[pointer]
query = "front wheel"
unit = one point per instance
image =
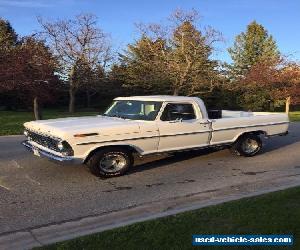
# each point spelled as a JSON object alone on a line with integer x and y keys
{"x": 247, "y": 145}
{"x": 110, "y": 162}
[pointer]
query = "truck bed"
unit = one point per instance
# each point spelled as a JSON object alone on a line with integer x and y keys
{"x": 234, "y": 123}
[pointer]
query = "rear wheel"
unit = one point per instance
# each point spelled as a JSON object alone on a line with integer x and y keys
{"x": 247, "y": 145}
{"x": 110, "y": 162}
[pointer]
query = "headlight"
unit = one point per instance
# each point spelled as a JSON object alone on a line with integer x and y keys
{"x": 26, "y": 133}
{"x": 64, "y": 148}
{"x": 60, "y": 145}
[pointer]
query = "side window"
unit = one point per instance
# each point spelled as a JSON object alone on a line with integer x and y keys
{"x": 176, "y": 111}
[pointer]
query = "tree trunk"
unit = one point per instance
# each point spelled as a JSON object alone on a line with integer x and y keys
{"x": 72, "y": 93}
{"x": 175, "y": 91}
{"x": 36, "y": 109}
{"x": 287, "y": 104}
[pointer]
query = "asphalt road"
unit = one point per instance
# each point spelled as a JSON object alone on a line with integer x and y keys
{"x": 35, "y": 192}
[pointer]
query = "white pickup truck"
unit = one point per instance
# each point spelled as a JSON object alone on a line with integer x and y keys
{"x": 145, "y": 125}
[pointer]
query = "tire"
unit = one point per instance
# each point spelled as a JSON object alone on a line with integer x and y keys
{"x": 247, "y": 145}
{"x": 110, "y": 162}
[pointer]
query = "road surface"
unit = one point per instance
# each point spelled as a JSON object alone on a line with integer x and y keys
{"x": 35, "y": 192}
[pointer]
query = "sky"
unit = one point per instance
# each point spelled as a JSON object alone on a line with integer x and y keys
{"x": 118, "y": 18}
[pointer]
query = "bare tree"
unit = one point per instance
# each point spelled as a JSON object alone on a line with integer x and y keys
{"x": 77, "y": 40}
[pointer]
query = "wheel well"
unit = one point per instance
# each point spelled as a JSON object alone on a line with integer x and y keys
{"x": 127, "y": 147}
{"x": 258, "y": 132}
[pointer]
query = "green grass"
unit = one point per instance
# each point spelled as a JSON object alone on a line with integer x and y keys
{"x": 295, "y": 116}
{"x": 11, "y": 122}
{"x": 274, "y": 213}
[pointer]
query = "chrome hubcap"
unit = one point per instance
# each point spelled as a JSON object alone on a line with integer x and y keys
{"x": 250, "y": 146}
{"x": 112, "y": 162}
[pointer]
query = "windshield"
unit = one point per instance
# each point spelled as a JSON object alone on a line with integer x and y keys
{"x": 134, "y": 110}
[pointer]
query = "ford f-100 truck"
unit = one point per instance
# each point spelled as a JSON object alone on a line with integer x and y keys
{"x": 145, "y": 125}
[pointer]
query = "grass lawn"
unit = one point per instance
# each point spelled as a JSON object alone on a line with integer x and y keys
{"x": 11, "y": 122}
{"x": 294, "y": 116}
{"x": 274, "y": 213}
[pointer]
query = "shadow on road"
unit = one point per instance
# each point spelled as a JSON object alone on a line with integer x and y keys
{"x": 156, "y": 161}
{"x": 278, "y": 142}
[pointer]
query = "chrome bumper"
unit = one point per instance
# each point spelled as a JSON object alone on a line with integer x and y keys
{"x": 42, "y": 153}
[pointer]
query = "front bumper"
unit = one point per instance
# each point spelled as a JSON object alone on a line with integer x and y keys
{"x": 45, "y": 154}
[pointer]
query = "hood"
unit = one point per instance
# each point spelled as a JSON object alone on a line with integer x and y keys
{"x": 64, "y": 127}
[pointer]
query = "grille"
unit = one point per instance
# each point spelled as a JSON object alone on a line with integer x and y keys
{"x": 43, "y": 140}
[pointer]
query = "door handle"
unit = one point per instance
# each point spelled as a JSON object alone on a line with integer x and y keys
{"x": 175, "y": 121}
{"x": 204, "y": 123}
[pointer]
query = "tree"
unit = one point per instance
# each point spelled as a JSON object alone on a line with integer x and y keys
{"x": 8, "y": 36}
{"x": 90, "y": 80}
{"x": 142, "y": 70}
{"x": 29, "y": 68}
{"x": 190, "y": 65}
{"x": 289, "y": 86}
{"x": 8, "y": 41}
{"x": 177, "y": 58}
{"x": 250, "y": 47}
{"x": 279, "y": 78}
{"x": 117, "y": 79}
{"x": 77, "y": 40}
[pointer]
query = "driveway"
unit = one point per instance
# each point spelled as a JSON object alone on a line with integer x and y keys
{"x": 35, "y": 192}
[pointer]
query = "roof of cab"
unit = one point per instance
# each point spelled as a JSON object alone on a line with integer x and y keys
{"x": 162, "y": 98}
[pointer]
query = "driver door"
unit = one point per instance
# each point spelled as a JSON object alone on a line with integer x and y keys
{"x": 180, "y": 127}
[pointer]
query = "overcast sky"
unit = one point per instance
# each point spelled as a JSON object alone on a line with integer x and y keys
{"x": 281, "y": 18}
